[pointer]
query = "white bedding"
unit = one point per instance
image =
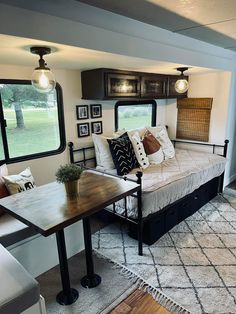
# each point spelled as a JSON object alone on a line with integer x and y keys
{"x": 174, "y": 178}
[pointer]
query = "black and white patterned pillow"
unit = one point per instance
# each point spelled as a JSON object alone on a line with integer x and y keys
{"x": 123, "y": 154}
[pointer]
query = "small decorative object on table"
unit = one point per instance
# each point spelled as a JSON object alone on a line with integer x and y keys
{"x": 69, "y": 174}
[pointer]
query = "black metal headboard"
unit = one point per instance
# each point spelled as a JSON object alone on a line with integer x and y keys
{"x": 213, "y": 146}
{"x": 82, "y": 156}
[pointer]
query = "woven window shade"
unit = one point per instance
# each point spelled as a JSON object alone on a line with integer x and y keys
{"x": 193, "y": 120}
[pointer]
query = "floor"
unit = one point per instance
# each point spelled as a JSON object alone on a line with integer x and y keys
{"x": 232, "y": 185}
{"x": 139, "y": 302}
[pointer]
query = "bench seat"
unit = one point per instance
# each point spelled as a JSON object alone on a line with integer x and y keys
{"x": 12, "y": 230}
{"x": 18, "y": 290}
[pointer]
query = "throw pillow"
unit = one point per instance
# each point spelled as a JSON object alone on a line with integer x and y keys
{"x": 152, "y": 148}
{"x": 139, "y": 150}
{"x": 3, "y": 190}
{"x": 102, "y": 152}
{"x": 19, "y": 182}
{"x": 162, "y": 136}
{"x": 123, "y": 154}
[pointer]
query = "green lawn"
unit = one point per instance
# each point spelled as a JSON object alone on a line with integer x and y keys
{"x": 40, "y": 133}
{"x": 134, "y": 122}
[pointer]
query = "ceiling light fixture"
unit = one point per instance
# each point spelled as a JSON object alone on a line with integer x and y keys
{"x": 181, "y": 85}
{"x": 42, "y": 78}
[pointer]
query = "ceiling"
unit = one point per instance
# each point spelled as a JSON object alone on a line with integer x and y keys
{"x": 212, "y": 21}
{"x": 15, "y": 50}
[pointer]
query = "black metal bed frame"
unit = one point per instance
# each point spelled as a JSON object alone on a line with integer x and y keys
{"x": 83, "y": 162}
{"x": 83, "y": 159}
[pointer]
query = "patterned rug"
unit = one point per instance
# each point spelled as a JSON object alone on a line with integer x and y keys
{"x": 194, "y": 263}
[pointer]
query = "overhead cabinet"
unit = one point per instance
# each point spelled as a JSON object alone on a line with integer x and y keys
{"x": 115, "y": 84}
{"x": 153, "y": 86}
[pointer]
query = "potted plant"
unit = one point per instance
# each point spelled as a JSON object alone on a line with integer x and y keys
{"x": 69, "y": 174}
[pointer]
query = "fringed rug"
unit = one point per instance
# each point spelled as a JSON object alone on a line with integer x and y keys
{"x": 193, "y": 264}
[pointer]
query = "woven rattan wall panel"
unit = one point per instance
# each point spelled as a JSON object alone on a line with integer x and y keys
{"x": 193, "y": 120}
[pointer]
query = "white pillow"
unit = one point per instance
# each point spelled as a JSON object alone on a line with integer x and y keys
{"x": 139, "y": 149}
{"x": 19, "y": 182}
{"x": 156, "y": 158}
{"x": 140, "y": 131}
{"x": 161, "y": 134}
{"x": 102, "y": 151}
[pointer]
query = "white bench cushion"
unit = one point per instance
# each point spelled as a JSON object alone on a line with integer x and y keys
{"x": 18, "y": 290}
{"x": 12, "y": 230}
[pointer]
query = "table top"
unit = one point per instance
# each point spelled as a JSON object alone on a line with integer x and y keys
{"x": 47, "y": 208}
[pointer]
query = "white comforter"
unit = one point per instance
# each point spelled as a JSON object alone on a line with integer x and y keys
{"x": 174, "y": 178}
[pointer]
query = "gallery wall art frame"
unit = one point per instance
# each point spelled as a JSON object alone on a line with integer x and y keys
{"x": 96, "y": 111}
{"x": 96, "y": 127}
{"x": 82, "y": 112}
{"x": 83, "y": 129}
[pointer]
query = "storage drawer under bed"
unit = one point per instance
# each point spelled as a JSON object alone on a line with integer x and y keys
{"x": 156, "y": 225}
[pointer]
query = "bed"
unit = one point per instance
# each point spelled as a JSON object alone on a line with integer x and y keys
{"x": 171, "y": 191}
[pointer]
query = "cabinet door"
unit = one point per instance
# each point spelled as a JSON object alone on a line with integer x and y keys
{"x": 171, "y": 92}
{"x": 153, "y": 86}
{"x": 122, "y": 85}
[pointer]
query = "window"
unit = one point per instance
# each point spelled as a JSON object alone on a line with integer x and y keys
{"x": 193, "y": 119}
{"x": 135, "y": 114}
{"x": 32, "y": 123}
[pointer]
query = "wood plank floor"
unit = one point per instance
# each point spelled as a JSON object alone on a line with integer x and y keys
{"x": 139, "y": 302}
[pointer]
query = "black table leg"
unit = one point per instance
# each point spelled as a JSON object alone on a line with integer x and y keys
{"x": 91, "y": 280}
{"x": 68, "y": 295}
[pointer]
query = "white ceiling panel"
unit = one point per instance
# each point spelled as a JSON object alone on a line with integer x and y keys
{"x": 212, "y": 21}
{"x": 200, "y": 11}
{"x": 15, "y": 50}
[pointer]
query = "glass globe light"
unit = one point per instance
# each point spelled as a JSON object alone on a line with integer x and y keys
{"x": 181, "y": 86}
{"x": 43, "y": 80}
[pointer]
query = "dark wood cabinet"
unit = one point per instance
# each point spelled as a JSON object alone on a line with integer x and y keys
{"x": 171, "y": 92}
{"x": 122, "y": 85}
{"x": 153, "y": 86}
{"x": 108, "y": 84}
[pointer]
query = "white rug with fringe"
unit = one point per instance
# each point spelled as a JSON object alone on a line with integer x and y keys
{"x": 194, "y": 264}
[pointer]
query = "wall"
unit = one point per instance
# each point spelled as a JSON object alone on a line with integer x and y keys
{"x": 74, "y": 23}
{"x": 215, "y": 85}
{"x": 70, "y": 80}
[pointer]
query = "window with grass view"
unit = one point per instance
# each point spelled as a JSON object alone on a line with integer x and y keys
{"x": 135, "y": 114}
{"x": 31, "y": 122}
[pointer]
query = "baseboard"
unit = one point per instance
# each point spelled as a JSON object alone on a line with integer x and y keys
{"x": 230, "y": 179}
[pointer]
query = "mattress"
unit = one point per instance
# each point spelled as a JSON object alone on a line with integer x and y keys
{"x": 171, "y": 180}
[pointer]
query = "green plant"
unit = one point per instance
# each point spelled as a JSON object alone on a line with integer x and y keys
{"x": 68, "y": 172}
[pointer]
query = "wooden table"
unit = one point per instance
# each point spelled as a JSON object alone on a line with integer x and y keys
{"x": 48, "y": 210}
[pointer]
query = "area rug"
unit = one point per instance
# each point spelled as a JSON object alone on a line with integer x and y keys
{"x": 115, "y": 287}
{"x": 194, "y": 263}
{"x": 90, "y": 301}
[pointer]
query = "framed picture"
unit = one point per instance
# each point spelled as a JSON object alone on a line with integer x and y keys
{"x": 97, "y": 127}
{"x": 82, "y": 112}
{"x": 83, "y": 129}
{"x": 96, "y": 111}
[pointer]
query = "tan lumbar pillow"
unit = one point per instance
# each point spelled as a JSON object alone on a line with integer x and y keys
{"x": 19, "y": 182}
{"x": 152, "y": 148}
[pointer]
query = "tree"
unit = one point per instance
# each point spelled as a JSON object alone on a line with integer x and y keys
{"x": 16, "y": 95}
